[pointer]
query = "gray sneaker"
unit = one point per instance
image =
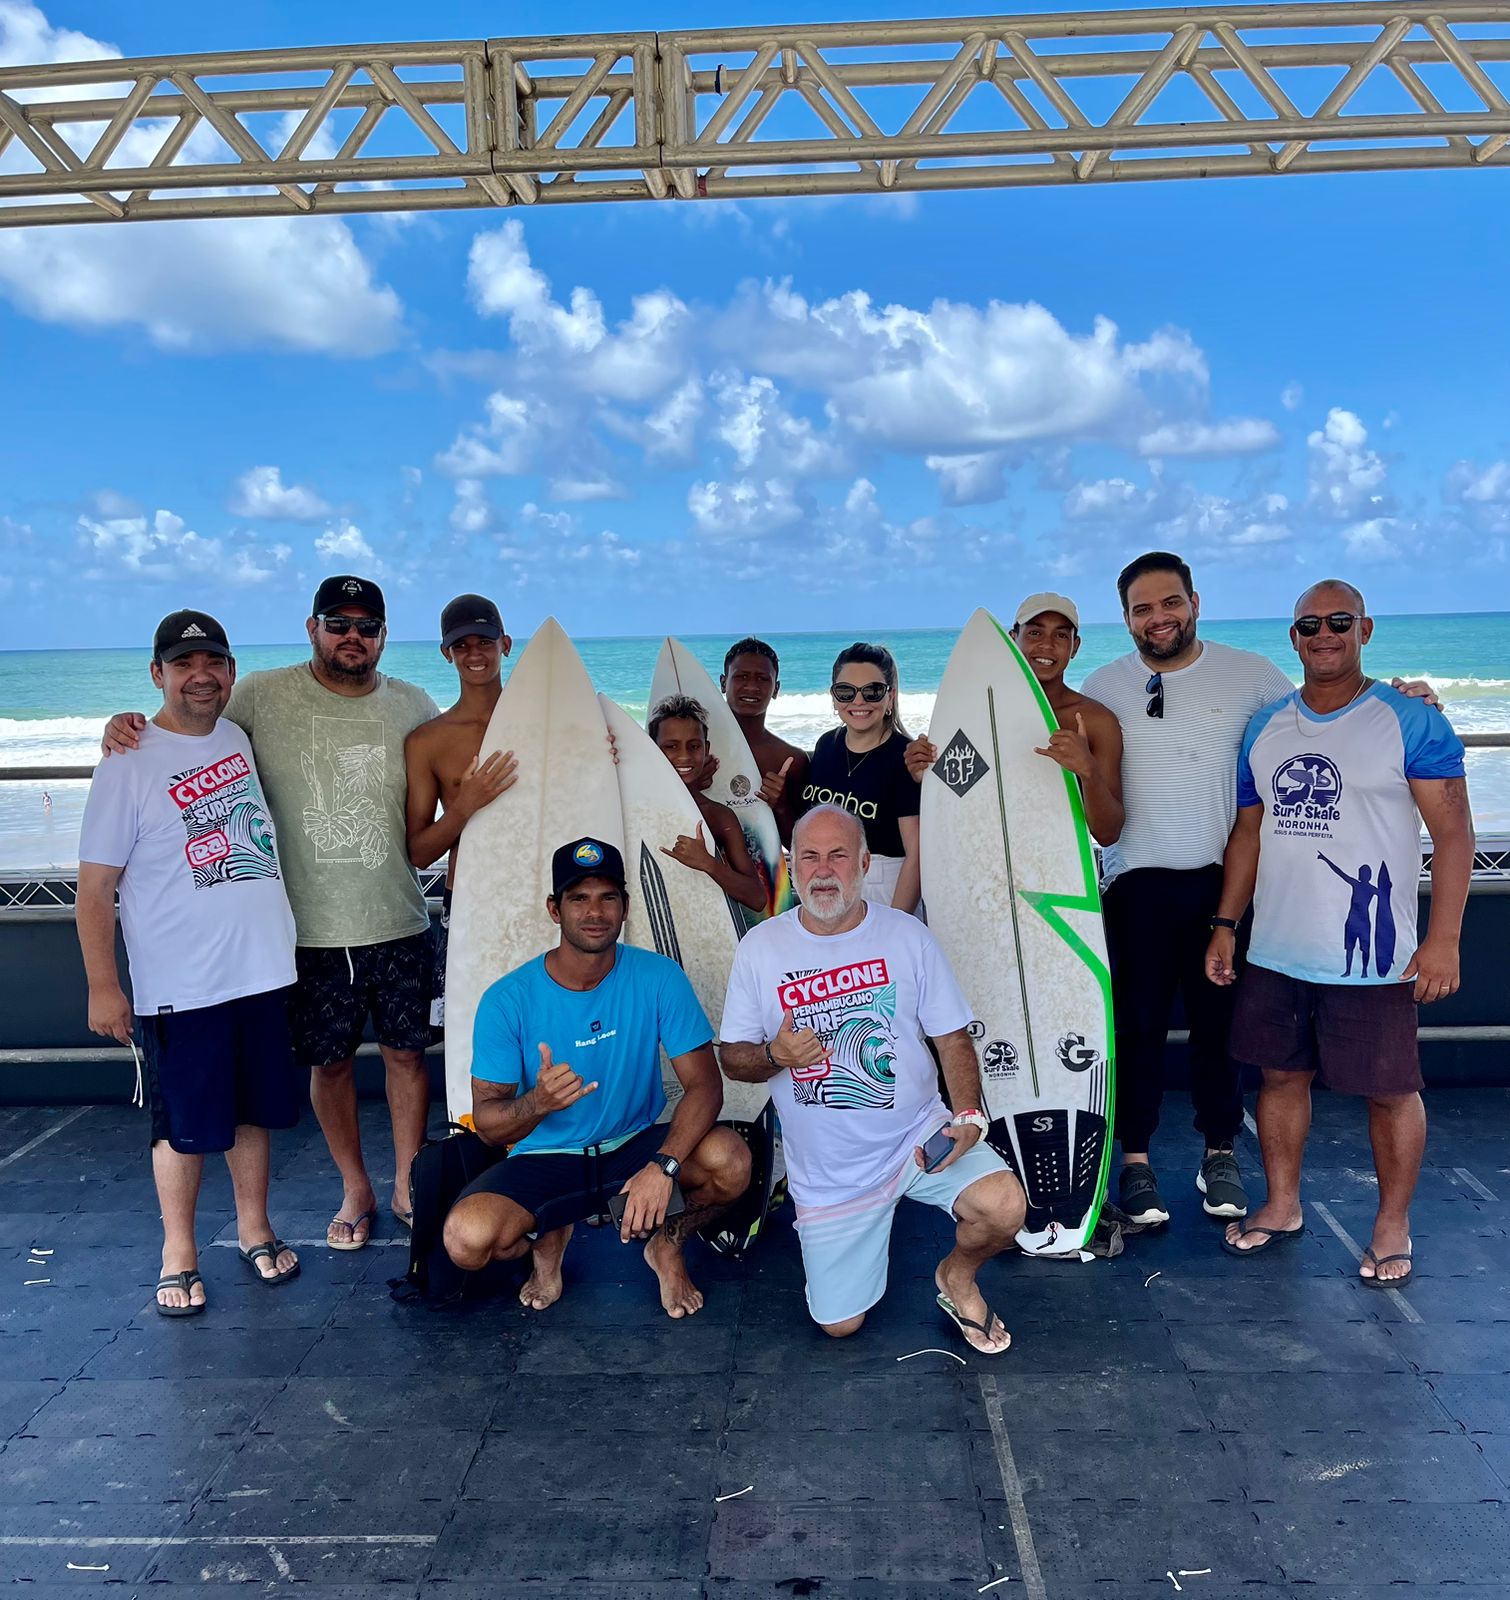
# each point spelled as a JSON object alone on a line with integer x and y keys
{"x": 1138, "y": 1195}
{"x": 1222, "y": 1185}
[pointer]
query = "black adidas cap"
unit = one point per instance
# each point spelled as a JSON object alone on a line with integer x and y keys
{"x": 468, "y": 614}
{"x": 181, "y": 633}
{"x": 585, "y": 858}
{"x": 344, "y": 590}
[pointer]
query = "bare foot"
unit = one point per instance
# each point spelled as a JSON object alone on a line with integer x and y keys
{"x": 961, "y": 1288}
{"x": 1390, "y": 1239}
{"x": 1244, "y": 1235}
{"x": 680, "y": 1297}
{"x": 542, "y": 1289}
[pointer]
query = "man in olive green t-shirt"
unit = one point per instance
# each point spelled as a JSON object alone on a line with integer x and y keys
{"x": 328, "y": 736}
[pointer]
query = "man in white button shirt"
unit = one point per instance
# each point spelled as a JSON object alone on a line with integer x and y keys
{"x": 1183, "y": 703}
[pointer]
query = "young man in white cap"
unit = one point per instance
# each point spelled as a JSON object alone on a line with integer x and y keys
{"x": 1088, "y": 742}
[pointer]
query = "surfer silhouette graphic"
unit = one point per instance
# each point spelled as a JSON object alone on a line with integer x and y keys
{"x": 1355, "y": 933}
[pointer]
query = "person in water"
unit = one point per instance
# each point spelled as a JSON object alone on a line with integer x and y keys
{"x": 1088, "y": 740}
{"x": 566, "y": 1070}
{"x": 751, "y": 680}
{"x": 1377, "y": 764}
{"x": 861, "y": 767}
{"x": 679, "y": 726}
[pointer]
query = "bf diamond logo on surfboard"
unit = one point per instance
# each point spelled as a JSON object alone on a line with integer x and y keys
{"x": 961, "y": 766}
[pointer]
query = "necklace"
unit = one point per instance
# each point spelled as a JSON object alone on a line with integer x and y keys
{"x": 1364, "y": 684}
{"x": 851, "y": 766}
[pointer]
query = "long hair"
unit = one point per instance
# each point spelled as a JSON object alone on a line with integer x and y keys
{"x": 879, "y": 657}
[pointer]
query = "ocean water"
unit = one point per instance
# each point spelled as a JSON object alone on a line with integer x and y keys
{"x": 53, "y": 703}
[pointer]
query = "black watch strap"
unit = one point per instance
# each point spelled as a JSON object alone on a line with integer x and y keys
{"x": 668, "y": 1164}
{"x": 1224, "y": 922}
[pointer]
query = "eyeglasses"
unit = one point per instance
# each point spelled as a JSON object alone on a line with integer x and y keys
{"x": 1336, "y": 621}
{"x": 871, "y": 693}
{"x": 1154, "y": 689}
{"x": 367, "y": 627}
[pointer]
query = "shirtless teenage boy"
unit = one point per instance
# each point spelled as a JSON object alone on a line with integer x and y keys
{"x": 1088, "y": 741}
{"x": 751, "y": 680}
{"x": 679, "y": 725}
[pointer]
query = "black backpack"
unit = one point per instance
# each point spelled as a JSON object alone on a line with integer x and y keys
{"x": 441, "y": 1170}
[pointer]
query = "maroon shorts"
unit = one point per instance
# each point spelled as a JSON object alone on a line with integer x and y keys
{"x": 1359, "y": 1038}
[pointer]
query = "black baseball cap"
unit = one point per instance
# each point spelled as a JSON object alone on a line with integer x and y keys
{"x": 585, "y": 858}
{"x": 344, "y": 590}
{"x": 181, "y": 633}
{"x": 469, "y": 614}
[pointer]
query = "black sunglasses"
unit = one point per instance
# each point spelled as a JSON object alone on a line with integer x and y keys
{"x": 367, "y": 627}
{"x": 1336, "y": 621}
{"x": 1154, "y": 689}
{"x": 871, "y": 693}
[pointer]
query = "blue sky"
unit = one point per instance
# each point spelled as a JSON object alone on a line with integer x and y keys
{"x": 775, "y": 415}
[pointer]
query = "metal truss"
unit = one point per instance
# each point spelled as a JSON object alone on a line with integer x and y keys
{"x": 861, "y": 108}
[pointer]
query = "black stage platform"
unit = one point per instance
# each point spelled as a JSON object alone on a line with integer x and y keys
{"x": 1175, "y": 1410}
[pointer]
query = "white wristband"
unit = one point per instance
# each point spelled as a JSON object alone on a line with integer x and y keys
{"x": 973, "y": 1119}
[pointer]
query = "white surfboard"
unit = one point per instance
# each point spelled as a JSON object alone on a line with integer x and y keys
{"x": 548, "y": 716}
{"x": 675, "y": 910}
{"x": 737, "y": 781}
{"x": 1009, "y": 879}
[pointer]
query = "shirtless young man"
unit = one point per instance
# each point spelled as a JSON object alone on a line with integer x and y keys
{"x": 679, "y": 725}
{"x": 751, "y": 680}
{"x": 1088, "y": 741}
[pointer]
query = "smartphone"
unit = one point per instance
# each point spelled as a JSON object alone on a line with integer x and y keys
{"x": 616, "y": 1203}
{"x": 937, "y": 1149}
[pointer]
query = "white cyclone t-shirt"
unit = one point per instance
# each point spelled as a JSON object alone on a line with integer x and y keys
{"x": 1178, "y": 770}
{"x": 1340, "y": 855}
{"x": 202, "y": 903}
{"x": 849, "y": 1123}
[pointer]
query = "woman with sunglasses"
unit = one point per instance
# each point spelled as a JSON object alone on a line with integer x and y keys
{"x": 860, "y": 765}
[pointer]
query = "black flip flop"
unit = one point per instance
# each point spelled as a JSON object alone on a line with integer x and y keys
{"x": 186, "y": 1282}
{"x": 1376, "y": 1282}
{"x": 1275, "y": 1236}
{"x": 961, "y": 1321}
{"x": 272, "y": 1249}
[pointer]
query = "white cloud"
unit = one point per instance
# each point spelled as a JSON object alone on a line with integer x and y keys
{"x": 1105, "y": 497}
{"x": 1235, "y": 437}
{"x": 1291, "y": 396}
{"x": 742, "y": 506}
{"x": 294, "y": 283}
{"x": 1483, "y": 492}
{"x": 759, "y": 428}
{"x": 1372, "y": 540}
{"x": 1345, "y": 477}
{"x": 262, "y": 493}
{"x": 572, "y": 490}
{"x": 342, "y": 543}
{"x": 970, "y": 480}
{"x": 163, "y": 546}
{"x": 471, "y": 512}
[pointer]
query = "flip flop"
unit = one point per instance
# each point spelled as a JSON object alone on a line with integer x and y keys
{"x": 1275, "y": 1236}
{"x": 962, "y": 1322}
{"x": 186, "y": 1282}
{"x": 404, "y": 1218}
{"x": 353, "y": 1243}
{"x": 1376, "y": 1282}
{"x": 272, "y": 1250}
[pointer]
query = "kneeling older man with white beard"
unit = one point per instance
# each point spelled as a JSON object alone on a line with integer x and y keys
{"x": 829, "y": 1002}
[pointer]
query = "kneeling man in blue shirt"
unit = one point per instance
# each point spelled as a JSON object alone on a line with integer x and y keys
{"x": 566, "y": 1070}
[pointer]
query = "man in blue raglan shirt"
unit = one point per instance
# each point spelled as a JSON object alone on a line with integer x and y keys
{"x": 1333, "y": 782}
{"x": 566, "y": 1069}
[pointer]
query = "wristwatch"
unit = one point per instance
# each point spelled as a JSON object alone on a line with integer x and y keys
{"x": 971, "y": 1118}
{"x": 668, "y": 1164}
{"x": 1224, "y": 922}
{"x": 770, "y": 1060}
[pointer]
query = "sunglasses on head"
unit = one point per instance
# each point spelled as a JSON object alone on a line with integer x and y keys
{"x": 1336, "y": 621}
{"x": 1154, "y": 689}
{"x": 367, "y": 627}
{"x": 871, "y": 693}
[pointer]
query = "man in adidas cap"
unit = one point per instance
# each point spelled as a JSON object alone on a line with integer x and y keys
{"x": 181, "y": 828}
{"x": 328, "y": 734}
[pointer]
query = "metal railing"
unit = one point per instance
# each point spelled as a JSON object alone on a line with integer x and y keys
{"x": 835, "y": 108}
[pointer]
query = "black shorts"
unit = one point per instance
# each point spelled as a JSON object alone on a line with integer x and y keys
{"x": 1359, "y": 1038}
{"x": 558, "y": 1189}
{"x": 442, "y": 931}
{"x": 339, "y": 989}
{"x": 209, "y": 1071}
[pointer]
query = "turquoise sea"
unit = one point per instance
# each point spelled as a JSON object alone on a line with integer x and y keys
{"x": 53, "y": 702}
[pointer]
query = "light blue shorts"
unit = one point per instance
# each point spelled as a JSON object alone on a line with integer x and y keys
{"x": 846, "y": 1247}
